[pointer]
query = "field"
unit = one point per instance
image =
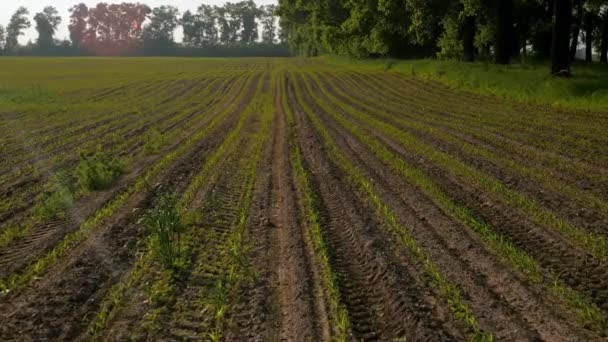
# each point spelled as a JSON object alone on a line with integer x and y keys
{"x": 294, "y": 199}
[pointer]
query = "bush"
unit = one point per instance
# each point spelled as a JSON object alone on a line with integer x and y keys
{"x": 98, "y": 171}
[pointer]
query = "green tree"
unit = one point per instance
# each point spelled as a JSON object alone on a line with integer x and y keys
{"x": 46, "y": 25}
{"x": 78, "y": 24}
{"x": 208, "y": 18}
{"x": 200, "y": 28}
{"x": 158, "y": 34}
{"x": 192, "y": 29}
{"x": 269, "y": 26}
{"x": 248, "y": 12}
{"x": 2, "y": 38}
{"x": 16, "y": 25}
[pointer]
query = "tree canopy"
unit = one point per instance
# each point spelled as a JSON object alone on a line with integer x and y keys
{"x": 500, "y": 30}
{"x": 127, "y": 28}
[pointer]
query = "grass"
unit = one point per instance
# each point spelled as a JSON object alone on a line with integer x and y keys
{"x": 523, "y": 82}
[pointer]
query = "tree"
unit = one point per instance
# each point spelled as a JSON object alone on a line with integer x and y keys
{"x": 604, "y": 39}
{"x": 208, "y": 18}
{"x": 560, "y": 57}
{"x": 230, "y": 21}
{"x": 503, "y": 43}
{"x": 16, "y": 25}
{"x": 46, "y": 25}
{"x": 468, "y": 38}
{"x": 248, "y": 12}
{"x": 192, "y": 29}
{"x": 589, "y": 27}
{"x": 78, "y": 24}
{"x": 158, "y": 34}
{"x": 2, "y": 38}
{"x": 269, "y": 27}
{"x": 576, "y": 31}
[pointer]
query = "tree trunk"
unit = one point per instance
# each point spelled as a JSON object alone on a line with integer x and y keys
{"x": 576, "y": 31}
{"x": 588, "y": 36}
{"x": 604, "y": 43}
{"x": 503, "y": 43}
{"x": 468, "y": 38}
{"x": 560, "y": 57}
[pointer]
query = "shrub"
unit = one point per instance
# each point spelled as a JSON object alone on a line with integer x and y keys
{"x": 98, "y": 171}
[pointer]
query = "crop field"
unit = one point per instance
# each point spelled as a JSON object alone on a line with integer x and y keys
{"x": 293, "y": 199}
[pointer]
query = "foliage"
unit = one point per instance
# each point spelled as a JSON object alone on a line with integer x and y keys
{"x": 97, "y": 171}
{"x": 16, "y": 25}
{"x": 2, "y": 38}
{"x": 449, "y": 43}
{"x": 158, "y": 34}
{"x": 46, "y": 25}
{"x": 164, "y": 225}
{"x": 57, "y": 197}
{"x": 154, "y": 141}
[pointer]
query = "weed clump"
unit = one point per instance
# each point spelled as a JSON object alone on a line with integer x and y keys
{"x": 154, "y": 141}
{"x": 164, "y": 226}
{"x": 55, "y": 199}
{"x": 97, "y": 171}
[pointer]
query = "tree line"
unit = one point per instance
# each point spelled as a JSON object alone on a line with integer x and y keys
{"x": 125, "y": 28}
{"x": 502, "y": 30}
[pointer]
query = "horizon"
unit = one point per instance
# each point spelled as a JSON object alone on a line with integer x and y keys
{"x": 35, "y": 6}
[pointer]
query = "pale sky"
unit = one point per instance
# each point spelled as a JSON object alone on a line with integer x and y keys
{"x": 8, "y": 7}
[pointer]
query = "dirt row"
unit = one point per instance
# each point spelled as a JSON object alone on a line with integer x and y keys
{"x": 191, "y": 121}
{"x": 578, "y": 268}
{"x": 584, "y": 216}
{"x": 43, "y": 237}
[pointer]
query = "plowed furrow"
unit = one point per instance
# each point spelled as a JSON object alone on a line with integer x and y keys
{"x": 578, "y": 208}
{"x": 576, "y": 267}
{"x": 380, "y": 295}
{"x": 517, "y": 310}
{"x": 98, "y": 262}
{"x": 221, "y": 207}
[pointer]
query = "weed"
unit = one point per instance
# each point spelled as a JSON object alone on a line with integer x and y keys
{"x": 164, "y": 226}
{"x": 154, "y": 141}
{"x": 57, "y": 197}
{"x": 97, "y": 171}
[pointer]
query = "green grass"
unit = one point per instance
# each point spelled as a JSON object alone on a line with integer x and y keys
{"x": 523, "y": 82}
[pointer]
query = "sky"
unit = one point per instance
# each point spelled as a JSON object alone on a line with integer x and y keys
{"x": 8, "y": 7}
